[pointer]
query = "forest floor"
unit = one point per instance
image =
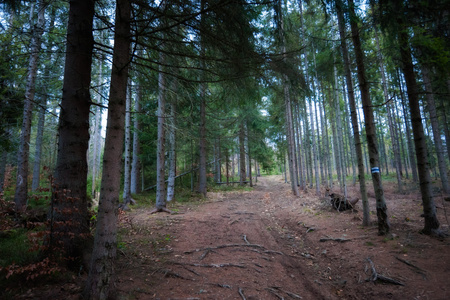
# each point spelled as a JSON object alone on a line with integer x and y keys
{"x": 267, "y": 244}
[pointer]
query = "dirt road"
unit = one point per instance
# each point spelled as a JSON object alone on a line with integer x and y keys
{"x": 266, "y": 244}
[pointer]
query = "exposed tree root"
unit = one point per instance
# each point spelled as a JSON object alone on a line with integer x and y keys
{"x": 376, "y": 276}
{"x": 416, "y": 268}
{"x": 163, "y": 209}
{"x": 209, "y": 265}
{"x": 245, "y": 239}
{"x": 273, "y": 291}
{"x": 234, "y": 246}
{"x": 340, "y": 240}
{"x": 241, "y": 293}
{"x": 170, "y": 273}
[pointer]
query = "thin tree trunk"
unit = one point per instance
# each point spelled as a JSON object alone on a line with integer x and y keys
{"x": 301, "y": 180}
{"x": 172, "y": 151}
{"x": 242, "y": 171}
{"x": 445, "y": 122}
{"x": 392, "y": 130}
{"x": 383, "y": 222}
{"x": 3, "y": 160}
{"x": 127, "y": 152}
{"x": 21, "y": 193}
{"x": 161, "y": 143}
{"x": 398, "y": 131}
{"x": 436, "y": 130}
{"x": 327, "y": 146}
{"x": 41, "y": 120}
{"x": 135, "y": 185}
{"x": 412, "y": 159}
{"x": 320, "y": 154}
{"x": 315, "y": 154}
{"x": 202, "y": 134}
{"x": 100, "y": 281}
{"x": 97, "y": 132}
{"x": 289, "y": 126}
{"x": 350, "y": 138}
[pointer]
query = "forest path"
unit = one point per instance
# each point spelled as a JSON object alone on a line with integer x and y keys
{"x": 267, "y": 244}
{"x": 230, "y": 247}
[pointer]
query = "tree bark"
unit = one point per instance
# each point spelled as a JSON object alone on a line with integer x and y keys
{"x": 69, "y": 217}
{"x": 136, "y": 187}
{"x": 97, "y": 139}
{"x": 392, "y": 130}
{"x": 202, "y": 186}
{"x": 429, "y": 208}
{"x": 127, "y": 152}
{"x": 100, "y": 282}
{"x": 383, "y": 222}
{"x": 242, "y": 170}
{"x": 161, "y": 143}
{"x": 435, "y": 128}
{"x": 412, "y": 159}
{"x": 21, "y": 193}
{"x": 172, "y": 150}
{"x": 41, "y": 119}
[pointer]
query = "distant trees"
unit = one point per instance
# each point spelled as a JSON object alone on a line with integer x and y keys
{"x": 220, "y": 87}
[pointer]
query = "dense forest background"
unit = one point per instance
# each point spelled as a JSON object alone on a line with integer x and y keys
{"x": 103, "y": 100}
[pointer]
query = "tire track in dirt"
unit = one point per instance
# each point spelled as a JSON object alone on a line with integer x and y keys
{"x": 227, "y": 248}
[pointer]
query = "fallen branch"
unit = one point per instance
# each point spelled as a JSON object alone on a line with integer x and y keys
{"x": 375, "y": 276}
{"x": 241, "y": 292}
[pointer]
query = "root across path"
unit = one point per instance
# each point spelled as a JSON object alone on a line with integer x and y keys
{"x": 268, "y": 244}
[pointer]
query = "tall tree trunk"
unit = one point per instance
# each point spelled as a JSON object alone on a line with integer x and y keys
{"x": 242, "y": 171}
{"x": 3, "y": 159}
{"x": 172, "y": 150}
{"x": 135, "y": 185}
{"x": 327, "y": 146}
{"x": 41, "y": 119}
{"x": 429, "y": 208}
{"x": 299, "y": 145}
{"x": 97, "y": 132}
{"x": 445, "y": 113}
{"x": 161, "y": 143}
{"x": 127, "y": 152}
{"x": 69, "y": 216}
{"x": 398, "y": 131}
{"x": 339, "y": 144}
{"x": 38, "y": 145}
{"x": 100, "y": 281}
{"x": 412, "y": 159}
{"x": 320, "y": 154}
{"x": 315, "y": 154}
{"x": 435, "y": 128}
{"x": 392, "y": 130}
{"x": 202, "y": 128}
{"x": 383, "y": 222}
{"x": 21, "y": 193}
{"x": 350, "y": 138}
